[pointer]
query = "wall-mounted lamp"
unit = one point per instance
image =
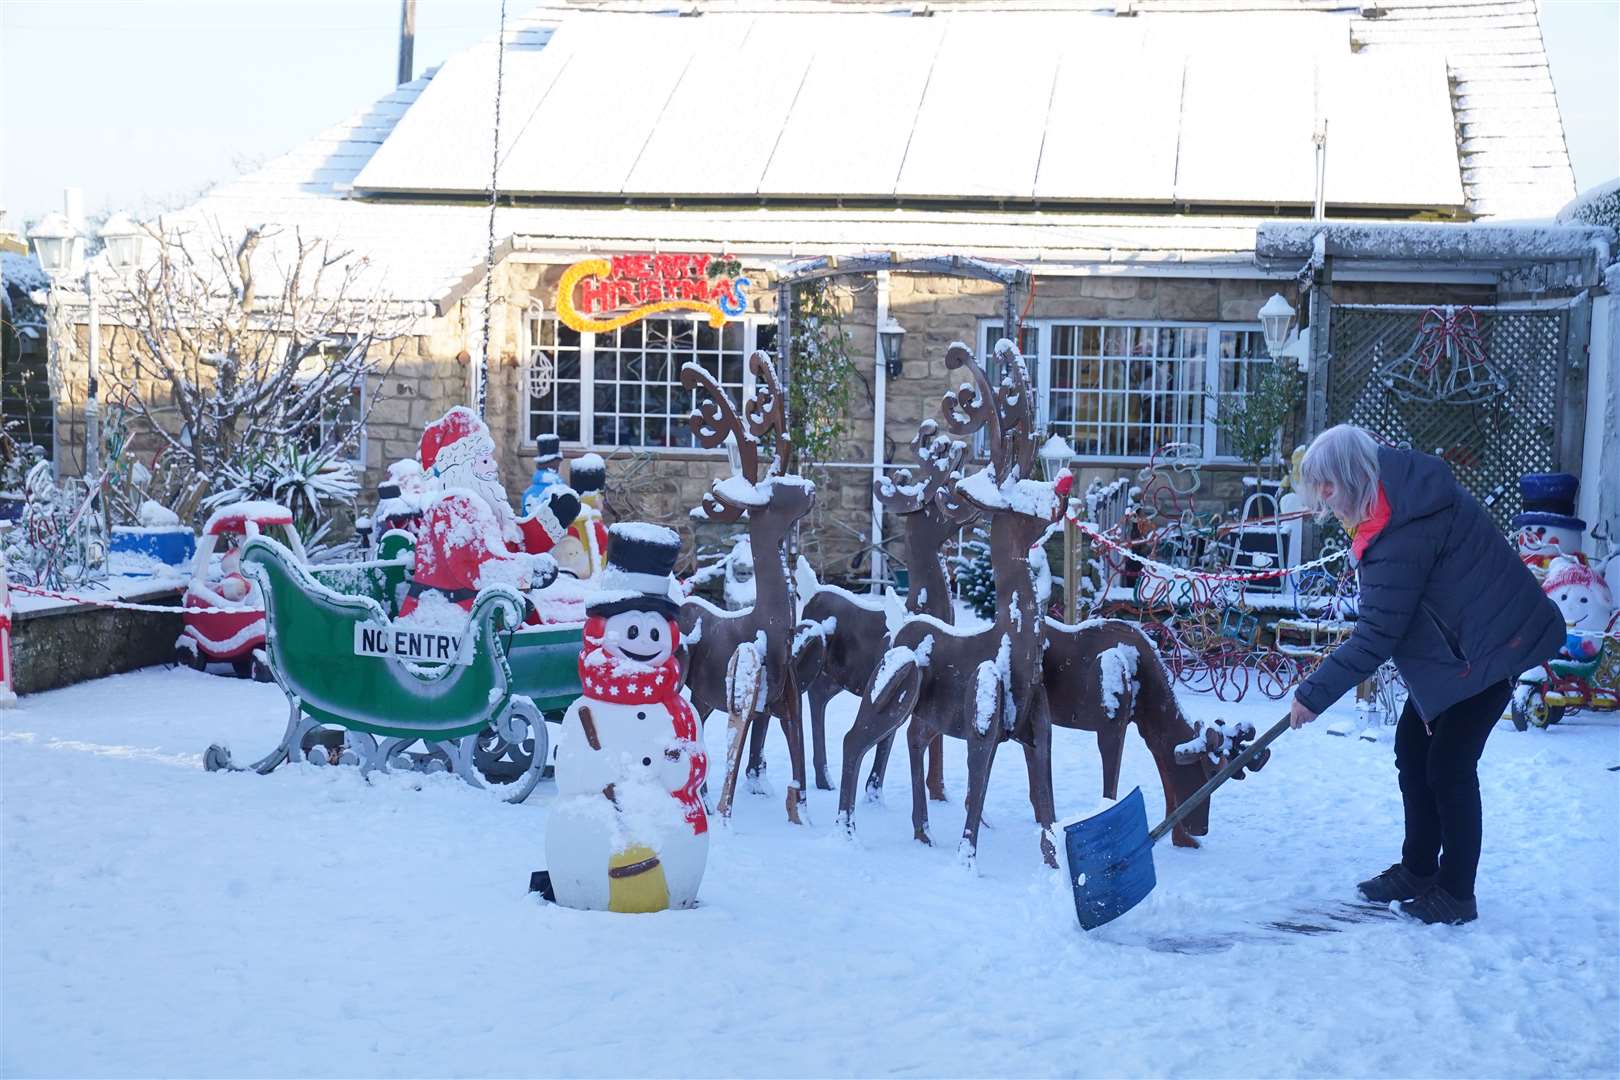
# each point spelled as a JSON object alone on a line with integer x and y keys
{"x": 891, "y": 335}
{"x": 1276, "y": 321}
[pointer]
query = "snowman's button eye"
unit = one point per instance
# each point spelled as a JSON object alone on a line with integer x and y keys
{"x": 653, "y": 633}
{"x": 635, "y": 632}
{"x": 646, "y": 761}
{"x": 641, "y": 716}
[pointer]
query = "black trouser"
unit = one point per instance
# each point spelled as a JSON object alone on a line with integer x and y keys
{"x": 1440, "y": 786}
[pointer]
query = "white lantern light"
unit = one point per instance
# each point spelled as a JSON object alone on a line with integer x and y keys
{"x": 1055, "y": 455}
{"x": 122, "y": 238}
{"x": 891, "y": 335}
{"x": 58, "y": 246}
{"x": 1276, "y": 318}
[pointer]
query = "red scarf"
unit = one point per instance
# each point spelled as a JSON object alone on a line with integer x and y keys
{"x": 607, "y": 677}
{"x": 1364, "y": 534}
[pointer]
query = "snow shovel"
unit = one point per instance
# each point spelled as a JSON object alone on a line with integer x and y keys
{"x": 1111, "y": 853}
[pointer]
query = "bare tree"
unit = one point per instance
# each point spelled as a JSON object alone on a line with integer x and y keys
{"x": 232, "y": 353}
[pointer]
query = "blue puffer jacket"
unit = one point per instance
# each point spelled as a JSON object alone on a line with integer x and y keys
{"x": 1442, "y": 592}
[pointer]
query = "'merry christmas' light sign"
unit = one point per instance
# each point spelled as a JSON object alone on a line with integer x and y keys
{"x": 599, "y": 295}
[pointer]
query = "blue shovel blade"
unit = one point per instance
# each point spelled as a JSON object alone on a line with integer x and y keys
{"x": 1110, "y": 860}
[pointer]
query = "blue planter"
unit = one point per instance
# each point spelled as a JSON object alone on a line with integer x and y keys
{"x": 173, "y": 545}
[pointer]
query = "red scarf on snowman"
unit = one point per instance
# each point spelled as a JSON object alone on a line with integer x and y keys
{"x": 610, "y": 678}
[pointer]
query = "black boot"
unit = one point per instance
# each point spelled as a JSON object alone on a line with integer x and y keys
{"x": 1396, "y": 883}
{"x": 1439, "y": 906}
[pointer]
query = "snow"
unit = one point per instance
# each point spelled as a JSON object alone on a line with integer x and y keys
{"x": 163, "y": 921}
{"x": 1034, "y": 498}
{"x": 1118, "y": 666}
{"x": 155, "y": 516}
{"x": 739, "y": 492}
{"x": 893, "y": 661}
{"x": 233, "y": 515}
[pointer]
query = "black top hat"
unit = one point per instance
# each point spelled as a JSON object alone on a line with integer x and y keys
{"x": 1549, "y": 499}
{"x": 640, "y": 561}
{"x": 549, "y": 448}
{"x": 587, "y": 474}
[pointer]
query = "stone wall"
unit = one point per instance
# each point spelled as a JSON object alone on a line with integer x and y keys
{"x": 60, "y": 647}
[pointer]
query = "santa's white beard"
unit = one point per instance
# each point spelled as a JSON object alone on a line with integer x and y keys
{"x": 489, "y": 490}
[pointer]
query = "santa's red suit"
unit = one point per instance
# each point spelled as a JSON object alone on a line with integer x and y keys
{"x": 468, "y": 538}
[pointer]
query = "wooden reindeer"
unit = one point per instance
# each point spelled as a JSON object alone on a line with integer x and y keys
{"x": 1104, "y": 674}
{"x": 752, "y": 662}
{"x": 985, "y": 686}
{"x": 931, "y": 513}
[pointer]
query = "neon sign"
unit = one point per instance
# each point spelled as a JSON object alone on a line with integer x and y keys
{"x": 600, "y": 295}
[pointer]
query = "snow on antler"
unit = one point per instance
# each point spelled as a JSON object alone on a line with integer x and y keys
{"x": 1216, "y": 744}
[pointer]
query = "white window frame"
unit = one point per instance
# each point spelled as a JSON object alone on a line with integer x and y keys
{"x": 1041, "y": 368}
{"x": 751, "y": 325}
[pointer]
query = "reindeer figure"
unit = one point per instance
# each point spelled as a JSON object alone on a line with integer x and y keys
{"x": 984, "y": 687}
{"x": 1104, "y": 674}
{"x": 931, "y": 513}
{"x": 753, "y": 662}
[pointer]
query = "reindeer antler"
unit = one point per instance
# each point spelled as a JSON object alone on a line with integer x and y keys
{"x": 1006, "y": 415}
{"x": 941, "y": 458}
{"x": 715, "y": 417}
{"x": 767, "y": 411}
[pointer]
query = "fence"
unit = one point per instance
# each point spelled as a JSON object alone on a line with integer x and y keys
{"x": 1487, "y": 388}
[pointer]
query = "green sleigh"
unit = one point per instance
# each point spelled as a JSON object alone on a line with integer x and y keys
{"x": 473, "y": 719}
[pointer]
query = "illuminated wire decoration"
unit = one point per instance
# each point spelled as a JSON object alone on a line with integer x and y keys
{"x": 600, "y": 295}
{"x": 1446, "y": 364}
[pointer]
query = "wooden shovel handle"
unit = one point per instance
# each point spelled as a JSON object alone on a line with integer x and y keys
{"x": 1249, "y": 753}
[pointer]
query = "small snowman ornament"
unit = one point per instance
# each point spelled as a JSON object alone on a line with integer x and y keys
{"x": 628, "y": 831}
{"x": 1584, "y": 599}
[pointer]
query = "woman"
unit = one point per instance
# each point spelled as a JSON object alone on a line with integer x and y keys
{"x": 1445, "y": 596}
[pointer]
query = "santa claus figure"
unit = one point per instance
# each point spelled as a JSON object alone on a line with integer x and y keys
{"x": 628, "y": 831}
{"x": 468, "y": 538}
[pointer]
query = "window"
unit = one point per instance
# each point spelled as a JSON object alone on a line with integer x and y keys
{"x": 1120, "y": 390}
{"x": 623, "y": 388}
{"x": 340, "y": 424}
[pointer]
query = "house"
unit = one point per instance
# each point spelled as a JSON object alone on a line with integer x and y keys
{"x": 1128, "y": 180}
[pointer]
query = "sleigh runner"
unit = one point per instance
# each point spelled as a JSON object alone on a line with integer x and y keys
{"x": 468, "y": 713}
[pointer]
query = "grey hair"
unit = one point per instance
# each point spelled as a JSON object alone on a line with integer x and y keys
{"x": 1346, "y": 457}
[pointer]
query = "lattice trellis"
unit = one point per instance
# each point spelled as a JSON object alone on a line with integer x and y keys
{"x": 1490, "y": 439}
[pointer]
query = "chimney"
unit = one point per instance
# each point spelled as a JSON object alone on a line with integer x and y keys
{"x": 407, "y": 40}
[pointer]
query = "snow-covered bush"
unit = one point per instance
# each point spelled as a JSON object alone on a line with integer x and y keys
{"x": 243, "y": 369}
{"x": 315, "y": 486}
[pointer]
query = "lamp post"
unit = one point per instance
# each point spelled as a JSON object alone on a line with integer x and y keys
{"x": 59, "y": 246}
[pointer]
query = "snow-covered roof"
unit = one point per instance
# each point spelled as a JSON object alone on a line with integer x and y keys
{"x": 428, "y": 247}
{"x": 859, "y": 104}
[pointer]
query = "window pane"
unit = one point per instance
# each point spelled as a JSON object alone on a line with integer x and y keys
{"x": 1125, "y": 391}
{"x": 638, "y": 398}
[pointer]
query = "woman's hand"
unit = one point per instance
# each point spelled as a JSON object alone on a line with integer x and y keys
{"x": 1299, "y": 715}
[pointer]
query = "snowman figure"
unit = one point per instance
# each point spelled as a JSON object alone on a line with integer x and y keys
{"x": 1548, "y": 527}
{"x": 1586, "y": 603}
{"x": 628, "y": 830}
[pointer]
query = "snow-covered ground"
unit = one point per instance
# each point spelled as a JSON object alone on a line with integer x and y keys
{"x": 160, "y": 920}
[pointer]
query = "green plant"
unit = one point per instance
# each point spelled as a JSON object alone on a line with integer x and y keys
{"x": 1252, "y": 420}
{"x": 975, "y": 577}
{"x": 818, "y": 395}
